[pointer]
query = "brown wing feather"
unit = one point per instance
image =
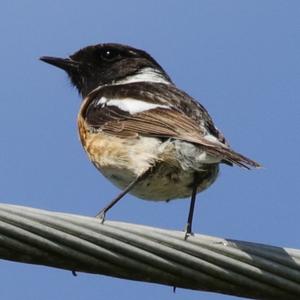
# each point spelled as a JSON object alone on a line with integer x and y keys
{"x": 162, "y": 122}
{"x": 188, "y": 120}
{"x": 157, "y": 93}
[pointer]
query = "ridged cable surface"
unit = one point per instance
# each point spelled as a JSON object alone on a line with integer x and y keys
{"x": 149, "y": 254}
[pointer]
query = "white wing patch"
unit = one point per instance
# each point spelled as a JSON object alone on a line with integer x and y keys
{"x": 101, "y": 102}
{"x": 130, "y": 105}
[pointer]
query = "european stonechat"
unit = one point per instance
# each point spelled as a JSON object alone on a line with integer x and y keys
{"x": 148, "y": 137}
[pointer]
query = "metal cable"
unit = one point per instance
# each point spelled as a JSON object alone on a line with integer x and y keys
{"x": 148, "y": 254}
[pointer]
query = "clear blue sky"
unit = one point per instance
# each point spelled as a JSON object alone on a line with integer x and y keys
{"x": 239, "y": 58}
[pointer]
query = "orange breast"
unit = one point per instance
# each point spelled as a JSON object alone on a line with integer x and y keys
{"x": 108, "y": 152}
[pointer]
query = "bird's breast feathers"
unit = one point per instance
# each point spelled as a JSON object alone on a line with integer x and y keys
{"x": 121, "y": 160}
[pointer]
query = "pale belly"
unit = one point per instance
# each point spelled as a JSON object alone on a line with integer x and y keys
{"x": 165, "y": 182}
{"x": 171, "y": 173}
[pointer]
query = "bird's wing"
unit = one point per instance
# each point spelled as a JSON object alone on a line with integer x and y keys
{"x": 126, "y": 115}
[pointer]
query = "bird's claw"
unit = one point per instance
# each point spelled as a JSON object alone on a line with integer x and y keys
{"x": 187, "y": 231}
{"x": 101, "y": 216}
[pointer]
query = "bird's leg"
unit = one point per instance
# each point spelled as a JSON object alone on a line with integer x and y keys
{"x": 103, "y": 211}
{"x": 101, "y": 214}
{"x": 188, "y": 228}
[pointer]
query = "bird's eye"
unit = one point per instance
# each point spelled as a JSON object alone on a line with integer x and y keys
{"x": 110, "y": 55}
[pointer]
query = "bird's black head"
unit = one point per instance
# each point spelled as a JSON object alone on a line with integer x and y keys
{"x": 102, "y": 64}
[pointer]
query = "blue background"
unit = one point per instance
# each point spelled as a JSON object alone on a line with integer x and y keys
{"x": 239, "y": 58}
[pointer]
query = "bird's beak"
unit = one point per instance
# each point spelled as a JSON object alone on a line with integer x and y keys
{"x": 66, "y": 64}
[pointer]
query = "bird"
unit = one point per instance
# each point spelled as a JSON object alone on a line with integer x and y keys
{"x": 144, "y": 134}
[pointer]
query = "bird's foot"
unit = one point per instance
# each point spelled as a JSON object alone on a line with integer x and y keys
{"x": 101, "y": 216}
{"x": 188, "y": 231}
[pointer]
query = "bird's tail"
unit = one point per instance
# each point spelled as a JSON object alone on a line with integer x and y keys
{"x": 235, "y": 158}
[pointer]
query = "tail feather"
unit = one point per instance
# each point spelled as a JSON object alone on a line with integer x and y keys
{"x": 226, "y": 154}
{"x": 236, "y": 158}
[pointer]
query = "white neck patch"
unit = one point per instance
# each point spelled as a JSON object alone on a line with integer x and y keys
{"x": 146, "y": 74}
